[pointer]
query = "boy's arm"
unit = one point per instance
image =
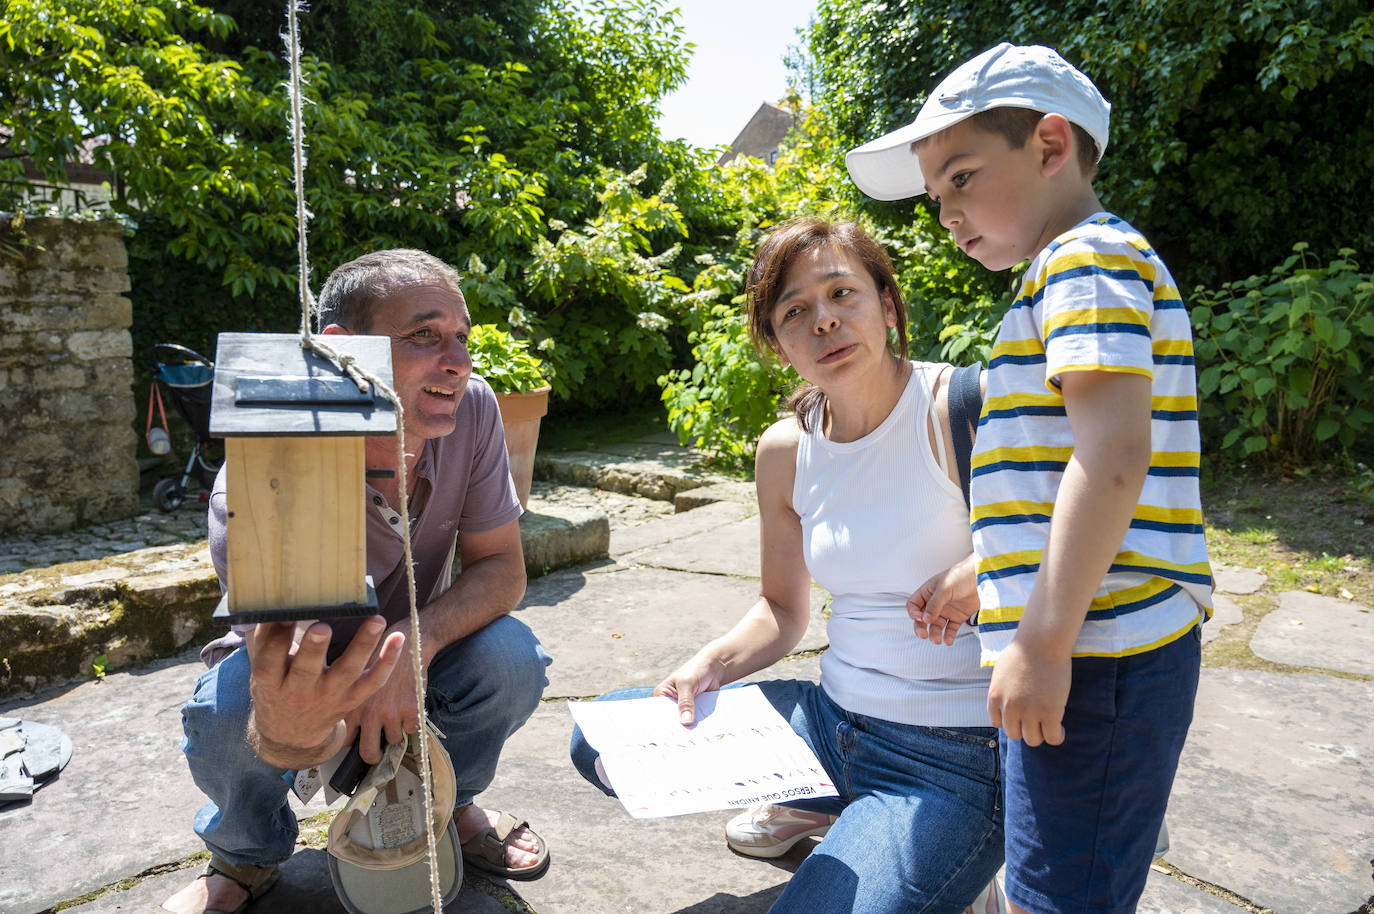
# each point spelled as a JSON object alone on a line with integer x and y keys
{"x": 1109, "y": 413}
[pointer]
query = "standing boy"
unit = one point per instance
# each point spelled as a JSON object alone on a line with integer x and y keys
{"x": 1092, "y": 569}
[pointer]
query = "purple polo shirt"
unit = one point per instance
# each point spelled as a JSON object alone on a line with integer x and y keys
{"x": 462, "y": 484}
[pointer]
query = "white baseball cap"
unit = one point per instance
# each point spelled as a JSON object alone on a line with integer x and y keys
{"x": 1007, "y": 76}
{"x": 378, "y": 845}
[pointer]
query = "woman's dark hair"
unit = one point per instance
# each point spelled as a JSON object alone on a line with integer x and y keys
{"x": 783, "y": 246}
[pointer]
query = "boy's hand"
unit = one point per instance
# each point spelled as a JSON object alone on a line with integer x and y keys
{"x": 945, "y": 602}
{"x": 1029, "y": 689}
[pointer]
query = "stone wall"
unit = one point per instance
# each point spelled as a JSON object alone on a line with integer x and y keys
{"x": 66, "y": 376}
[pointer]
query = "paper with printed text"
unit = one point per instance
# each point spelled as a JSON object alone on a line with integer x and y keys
{"x": 738, "y": 753}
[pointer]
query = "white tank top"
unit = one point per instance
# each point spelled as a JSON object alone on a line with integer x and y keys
{"x": 879, "y": 517}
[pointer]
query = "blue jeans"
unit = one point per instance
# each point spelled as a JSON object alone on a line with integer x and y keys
{"x": 920, "y": 808}
{"x": 480, "y": 690}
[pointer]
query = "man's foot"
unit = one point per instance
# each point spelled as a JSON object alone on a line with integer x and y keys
{"x": 522, "y": 852}
{"x": 207, "y": 893}
{"x": 222, "y": 888}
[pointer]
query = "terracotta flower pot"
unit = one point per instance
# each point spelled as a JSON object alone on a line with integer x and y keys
{"x": 520, "y": 415}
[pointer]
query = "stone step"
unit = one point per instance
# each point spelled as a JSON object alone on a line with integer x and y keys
{"x": 645, "y": 469}
{"x": 135, "y": 606}
{"x": 131, "y": 591}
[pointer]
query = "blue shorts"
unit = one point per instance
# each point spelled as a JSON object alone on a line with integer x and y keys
{"x": 1082, "y": 817}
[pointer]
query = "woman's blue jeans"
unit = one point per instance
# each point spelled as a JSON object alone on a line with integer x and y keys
{"x": 920, "y": 827}
{"x": 480, "y": 690}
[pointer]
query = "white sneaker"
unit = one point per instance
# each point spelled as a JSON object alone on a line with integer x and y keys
{"x": 770, "y": 831}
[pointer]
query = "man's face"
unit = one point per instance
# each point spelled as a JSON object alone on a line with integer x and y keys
{"x": 428, "y": 325}
{"x": 993, "y": 199}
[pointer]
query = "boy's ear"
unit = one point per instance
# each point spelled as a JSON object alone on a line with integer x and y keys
{"x": 1054, "y": 141}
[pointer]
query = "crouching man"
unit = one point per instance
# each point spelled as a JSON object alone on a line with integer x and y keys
{"x": 275, "y": 699}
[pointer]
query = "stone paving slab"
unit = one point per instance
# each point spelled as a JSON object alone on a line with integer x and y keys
{"x": 603, "y": 860}
{"x": 123, "y": 804}
{"x": 1225, "y": 611}
{"x": 1274, "y": 797}
{"x": 619, "y": 626}
{"x": 1230, "y": 579}
{"x": 628, "y": 540}
{"x": 556, "y": 540}
{"x": 742, "y": 492}
{"x": 1309, "y": 629}
{"x": 304, "y": 888}
{"x": 732, "y": 549}
{"x": 648, "y": 470}
{"x": 1166, "y": 895}
{"x": 1227, "y": 794}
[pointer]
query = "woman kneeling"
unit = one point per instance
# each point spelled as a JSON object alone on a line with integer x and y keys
{"x": 857, "y": 493}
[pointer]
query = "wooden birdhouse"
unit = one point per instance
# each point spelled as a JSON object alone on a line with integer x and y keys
{"x": 294, "y": 427}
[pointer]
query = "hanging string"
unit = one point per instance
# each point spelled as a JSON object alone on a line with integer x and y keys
{"x": 365, "y": 380}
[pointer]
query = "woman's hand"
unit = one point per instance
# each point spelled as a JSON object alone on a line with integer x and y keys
{"x": 945, "y": 602}
{"x": 700, "y": 674}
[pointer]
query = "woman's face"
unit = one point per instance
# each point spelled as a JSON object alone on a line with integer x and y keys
{"x": 831, "y": 321}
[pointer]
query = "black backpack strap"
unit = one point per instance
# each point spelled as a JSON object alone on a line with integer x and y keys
{"x": 965, "y": 404}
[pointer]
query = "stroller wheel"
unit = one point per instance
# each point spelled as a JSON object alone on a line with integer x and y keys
{"x": 168, "y": 496}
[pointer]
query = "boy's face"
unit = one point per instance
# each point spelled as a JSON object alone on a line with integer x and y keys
{"x": 996, "y": 201}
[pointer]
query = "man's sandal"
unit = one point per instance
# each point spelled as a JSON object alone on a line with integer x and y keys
{"x": 255, "y": 880}
{"x": 486, "y": 851}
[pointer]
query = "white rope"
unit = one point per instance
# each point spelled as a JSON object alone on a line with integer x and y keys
{"x": 349, "y": 366}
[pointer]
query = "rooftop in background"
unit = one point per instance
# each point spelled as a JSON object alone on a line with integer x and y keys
{"x": 763, "y": 134}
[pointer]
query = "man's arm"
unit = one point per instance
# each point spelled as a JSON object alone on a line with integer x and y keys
{"x": 1109, "y": 413}
{"x": 491, "y": 584}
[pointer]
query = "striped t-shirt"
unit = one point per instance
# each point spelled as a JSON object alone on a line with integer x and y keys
{"x": 1097, "y": 298}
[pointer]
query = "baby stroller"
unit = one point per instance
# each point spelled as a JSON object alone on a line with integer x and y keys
{"x": 188, "y": 376}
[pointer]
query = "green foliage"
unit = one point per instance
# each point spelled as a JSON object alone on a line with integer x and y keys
{"x": 124, "y": 72}
{"x": 952, "y": 314}
{"x": 1236, "y": 127}
{"x": 1364, "y": 483}
{"x": 723, "y": 403}
{"x": 504, "y": 360}
{"x": 473, "y": 130}
{"x": 1284, "y": 358}
{"x": 598, "y": 299}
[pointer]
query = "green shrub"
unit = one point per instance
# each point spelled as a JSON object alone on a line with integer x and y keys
{"x": 504, "y": 360}
{"x": 951, "y": 315}
{"x": 1283, "y": 358}
{"x": 723, "y": 403}
{"x": 1210, "y": 104}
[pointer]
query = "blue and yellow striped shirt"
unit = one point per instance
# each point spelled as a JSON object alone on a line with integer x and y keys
{"x": 1097, "y": 298}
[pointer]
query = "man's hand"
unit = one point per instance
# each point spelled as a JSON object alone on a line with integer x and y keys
{"x": 1030, "y": 687}
{"x": 686, "y": 683}
{"x": 387, "y": 715}
{"x": 945, "y": 602}
{"x": 299, "y": 703}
